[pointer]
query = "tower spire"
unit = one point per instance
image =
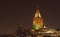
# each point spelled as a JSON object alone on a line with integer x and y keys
{"x": 37, "y": 20}
{"x": 37, "y": 12}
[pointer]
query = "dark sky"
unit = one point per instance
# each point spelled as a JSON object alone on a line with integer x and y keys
{"x": 15, "y": 12}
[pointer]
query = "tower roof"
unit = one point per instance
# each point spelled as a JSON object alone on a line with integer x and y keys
{"x": 37, "y": 14}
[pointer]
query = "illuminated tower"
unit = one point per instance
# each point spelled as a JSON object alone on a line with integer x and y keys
{"x": 37, "y": 20}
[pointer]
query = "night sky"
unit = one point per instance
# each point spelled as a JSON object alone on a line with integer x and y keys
{"x": 16, "y": 12}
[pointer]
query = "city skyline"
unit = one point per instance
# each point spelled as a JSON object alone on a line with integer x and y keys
{"x": 16, "y": 12}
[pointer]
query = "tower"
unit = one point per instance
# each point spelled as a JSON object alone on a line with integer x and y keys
{"x": 37, "y": 20}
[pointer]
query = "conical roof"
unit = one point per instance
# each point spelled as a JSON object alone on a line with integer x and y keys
{"x": 37, "y": 14}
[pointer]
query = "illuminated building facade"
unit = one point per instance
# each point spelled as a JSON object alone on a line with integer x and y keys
{"x": 37, "y": 20}
{"x": 39, "y": 28}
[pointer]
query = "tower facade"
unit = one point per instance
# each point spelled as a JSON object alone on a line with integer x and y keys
{"x": 37, "y": 20}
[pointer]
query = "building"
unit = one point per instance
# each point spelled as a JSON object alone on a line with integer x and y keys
{"x": 38, "y": 28}
{"x": 37, "y": 20}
